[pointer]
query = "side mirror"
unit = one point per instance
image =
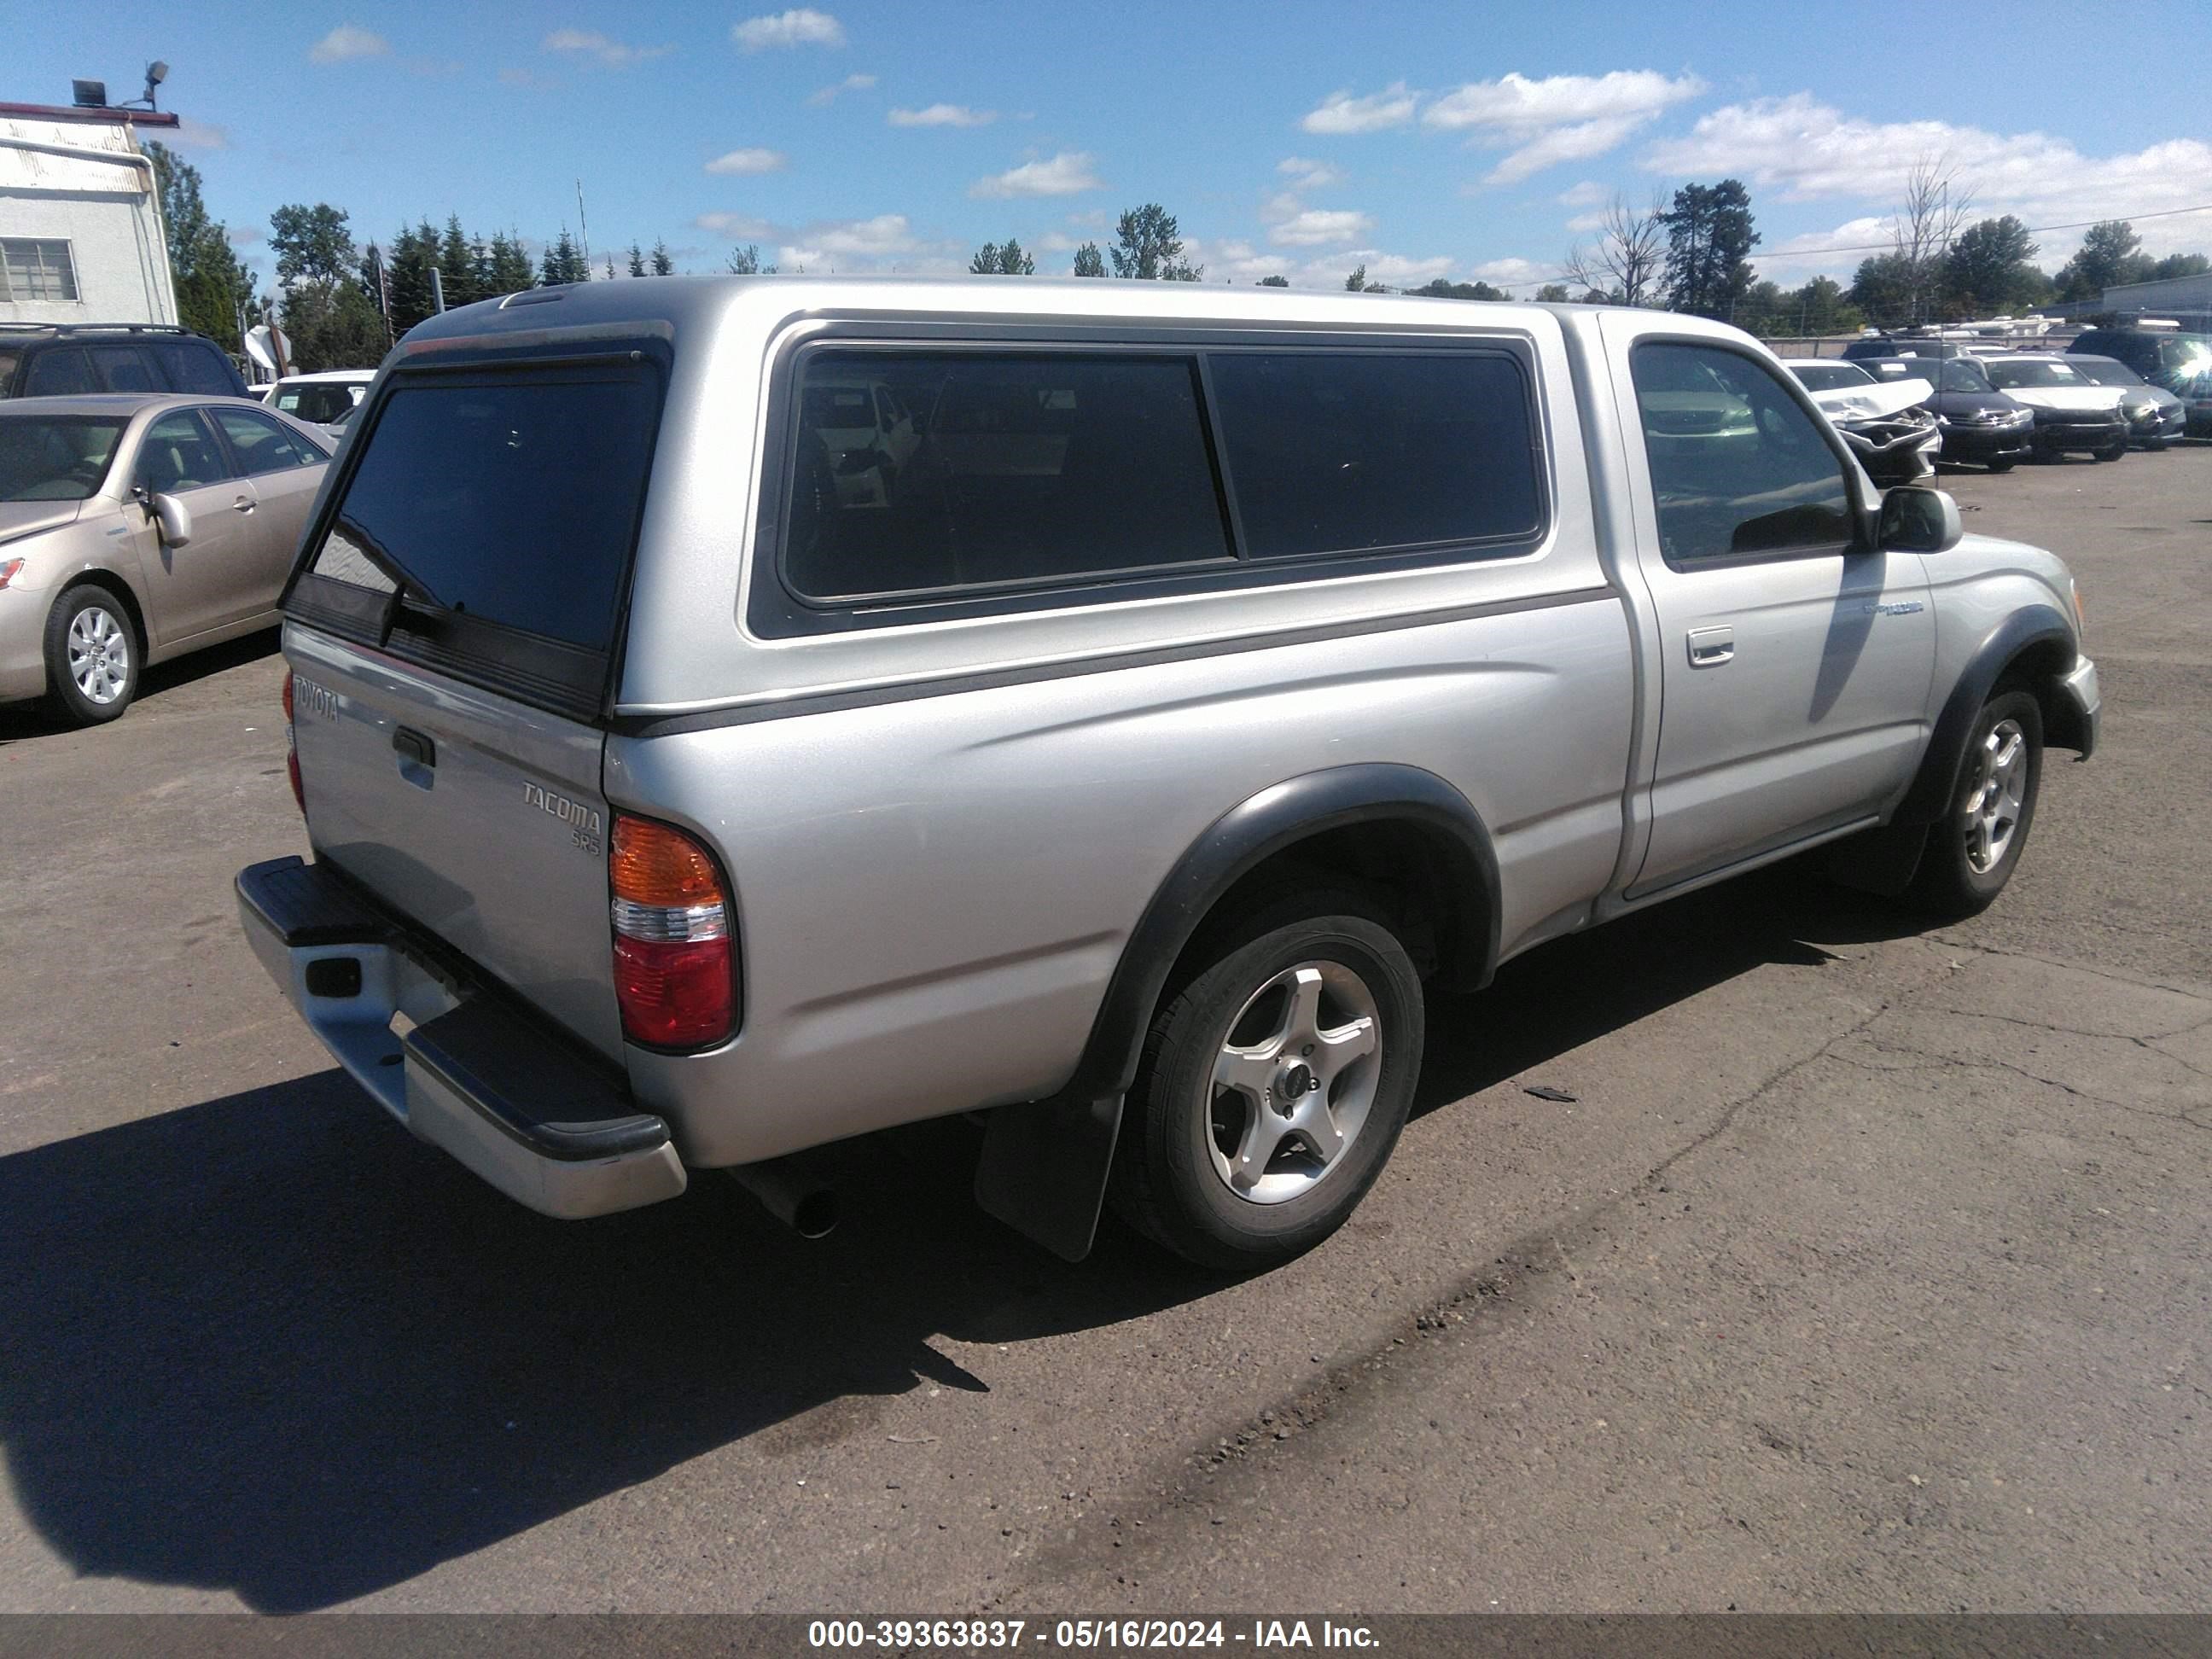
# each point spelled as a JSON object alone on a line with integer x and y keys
{"x": 175, "y": 519}
{"x": 1915, "y": 520}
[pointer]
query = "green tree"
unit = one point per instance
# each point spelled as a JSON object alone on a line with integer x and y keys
{"x": 1552, "y": 293}
{"x": 1148, "y": 245}
{"x": 507, "y": 269}
{"x": 1006, "y": 259}
{"x": 409, "y": 262}
{"x": 1987, "y": 269}
{"x": 211, "y": 282}
{"x": 1710, "y": 237}
{"x": 1884, "y": 288}
{"x": 563, "y": 262}
{"x": 743, "y": 261}
{"x": 664, "y": 263}
{"x": 1357, "y": 283}
{"x": 1089, "y": 262}
{"x": 1821, "y": 307}
{"x": 1438, "y": 288}
{"x": 312, "y": 244}
{"x": 2179, "y": 264}
{"x": 457, "y": 264}
{"x": 1274, "y": 281}
{"x": 2110, "y": 254}
{"x": 636, "y": 260}
{"x": 333, "y": 324}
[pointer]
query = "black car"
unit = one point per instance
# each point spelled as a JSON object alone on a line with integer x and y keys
{"x": 2156, "y": 417}
{"x": 1902, "y": 345}
{"x": 51, "y": 360}
{"x": 1980, "y": 424}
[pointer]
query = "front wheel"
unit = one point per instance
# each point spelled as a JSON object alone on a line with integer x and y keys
{"x": 2112, "y": 452}
{"x": 2001, "y": 466}
{"x": 1974, "y": 849}
{"x": 1273, "y": 1086}
{"x": 92, "y": 657}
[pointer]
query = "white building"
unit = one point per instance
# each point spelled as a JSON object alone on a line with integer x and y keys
{"x": 81, "y": 237}
{"x": 2189, "y": 295}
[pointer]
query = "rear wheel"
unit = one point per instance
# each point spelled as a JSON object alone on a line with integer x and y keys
{"x": 1274, "y": 1085}
{"x": 92, "y": 657}
{"x": 1974, "y": 849}
{"x": 2001, "y": 466}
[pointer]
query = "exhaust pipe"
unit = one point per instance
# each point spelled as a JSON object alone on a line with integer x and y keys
{"x": 792, "y": 1190}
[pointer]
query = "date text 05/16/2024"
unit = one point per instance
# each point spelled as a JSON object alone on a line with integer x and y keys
{"x": 978, "y": 1635}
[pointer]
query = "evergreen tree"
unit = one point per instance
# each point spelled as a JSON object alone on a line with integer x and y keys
{"x": 563, "y": 262}
{"x": 636, "y": 260}
{"x": 663, "y": 263}
{"x": 510, "y": 270}
{"x": 2110, "y": 254}
{"x": 408, "y": 263}
{"x": 212, "y": 282}
{"x": 1274, "y": 281}
{"x": 1007, "y": 258}
{"x": 1709, "y": 236}
{"x": 1089, "y": 262}
{"x": 457, "y": 264}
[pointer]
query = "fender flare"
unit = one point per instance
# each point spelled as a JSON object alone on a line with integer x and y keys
{"x": 1237, "y": 841}
{"x": 2032, "y": 626}
{"x": 1044, "y": 1166}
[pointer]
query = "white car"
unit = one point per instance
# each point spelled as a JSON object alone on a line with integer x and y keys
{"x": 327, "y": 400}
{"x": 2072, "y": 411}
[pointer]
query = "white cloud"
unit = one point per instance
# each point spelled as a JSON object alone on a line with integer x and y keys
{"x": 1806, "y": 255}
{"x": 1589, "y": 193}
{"x": 1561, "y": 117}
{"x": 347, "y": 40}
{"x": 749, "y": 161}
{"x": 943, "y": 115}
{"x": 614, "y": 54}
{"x": 1513, "y": 273}
{"x": 1305, "y": 174}
{"x": 199, "y": 135}
{"x": 527, "y": 78}
{"x": 887, "y": 232}
{"x": 850, "y": 84}
{"x": 1317, "y": 226}
{"x": 1583, "y": 222}
{"x": 1807, "y": 150}
{"x": 802, "y": 26}
{"x": 1514, "y": 104}
{"x": 1342, "y": 113}
{"x": 1063, "y": 175}
{"x": 738, "y": 227}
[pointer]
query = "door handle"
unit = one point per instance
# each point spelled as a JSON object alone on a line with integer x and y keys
{"x": 1711, "y": 647}
{"x": 243, "y": 504}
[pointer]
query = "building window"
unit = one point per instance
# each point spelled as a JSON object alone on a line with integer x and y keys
{"x": 36, "y": 269}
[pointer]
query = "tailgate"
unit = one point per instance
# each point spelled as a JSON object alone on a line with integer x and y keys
{"x": 452, "y": 628}
{"x": 477, "y": 817}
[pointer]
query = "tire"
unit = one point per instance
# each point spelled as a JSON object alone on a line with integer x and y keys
{"x": 93, "y": 657}
{"x": 1974, "y": 847}
{"x": 2001, "y": 466}
{"x": 1306, "y": 967}
{"x": 2111, "y": 451}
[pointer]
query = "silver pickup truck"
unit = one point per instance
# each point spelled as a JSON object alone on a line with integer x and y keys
{"x": 735, "y": 715}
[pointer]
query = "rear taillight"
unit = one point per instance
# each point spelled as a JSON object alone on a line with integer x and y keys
{"x": 292, "y": 750}
{"x": 675, "y": 971}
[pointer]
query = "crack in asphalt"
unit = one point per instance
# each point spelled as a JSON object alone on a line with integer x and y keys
{"x": 1941, "y": 1062}
{"x": 1517, "y": 1262}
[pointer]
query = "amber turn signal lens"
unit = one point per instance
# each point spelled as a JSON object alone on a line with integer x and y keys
{"x": 649, "y": 863}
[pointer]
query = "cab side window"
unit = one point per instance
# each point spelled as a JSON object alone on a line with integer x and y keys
{"x": 178, "y": 454}
{"x": 1738, "y": 467}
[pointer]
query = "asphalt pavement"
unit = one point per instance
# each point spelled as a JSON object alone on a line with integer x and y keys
{"x": 1867, "y": 1268}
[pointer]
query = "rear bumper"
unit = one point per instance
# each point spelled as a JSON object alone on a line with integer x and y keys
{"x": 547, "y": 1123}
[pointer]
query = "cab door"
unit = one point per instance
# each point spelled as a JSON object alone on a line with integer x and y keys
{"x": 285, "y": 469}
{"x": 1795, "y": 662}
{"x": 192, "y": 588}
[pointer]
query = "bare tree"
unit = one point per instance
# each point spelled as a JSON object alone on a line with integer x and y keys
{"x": 1628, "y": 256}
{"x": 1935, "y": 208}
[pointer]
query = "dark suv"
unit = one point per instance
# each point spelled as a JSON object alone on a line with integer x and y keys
{"x": 2182, "y": 363}
{"x": 50, "y": 360}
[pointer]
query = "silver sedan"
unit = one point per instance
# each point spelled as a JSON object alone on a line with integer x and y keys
{"x": 134, "y": 528}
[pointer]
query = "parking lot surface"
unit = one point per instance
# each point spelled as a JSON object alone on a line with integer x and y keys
{"x": 1868, "y": 1268}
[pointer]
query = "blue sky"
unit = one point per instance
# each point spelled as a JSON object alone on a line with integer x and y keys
{"x": 1467, "y": 141}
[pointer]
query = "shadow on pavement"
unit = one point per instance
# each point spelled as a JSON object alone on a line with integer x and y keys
{"x": 19, "y": 721}
{"x": 269, "y": 1344}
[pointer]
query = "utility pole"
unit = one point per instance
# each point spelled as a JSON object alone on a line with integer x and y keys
{"x": 583, "y": 229}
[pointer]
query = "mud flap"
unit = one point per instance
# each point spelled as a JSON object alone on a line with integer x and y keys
{"x": 1044, "y": 1167}
{"x": 1879, "y": 861}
